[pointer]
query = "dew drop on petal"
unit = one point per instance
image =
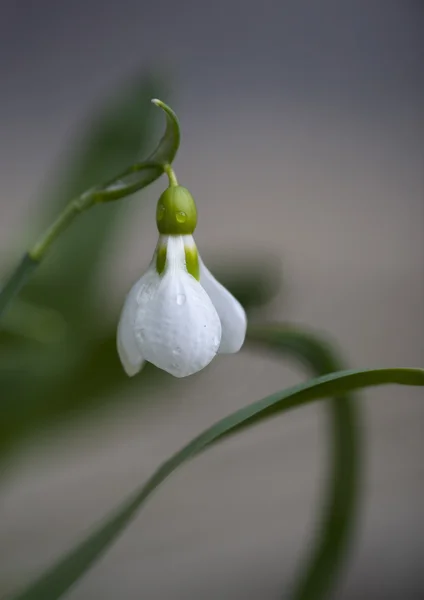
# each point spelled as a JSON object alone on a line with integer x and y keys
{"x": 181, "y": 217}
{"x": 181, "y": 299}
{"x": 140, "y": 333}
{"x": 176, "y": 351}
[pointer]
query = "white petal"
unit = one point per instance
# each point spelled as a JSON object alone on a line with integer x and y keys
{"x": 230, "y": 311}
{"x": 128, "y": 348}
{"x": 177, "y": 327}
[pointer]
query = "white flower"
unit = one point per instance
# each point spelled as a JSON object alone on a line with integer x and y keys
{"x": 177, "y": 316}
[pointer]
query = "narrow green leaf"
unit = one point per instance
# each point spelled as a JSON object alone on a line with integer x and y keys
{"x": 336, "y": 525}
{"x": 170, "y": 142}
{"x": 40, "y": 388}
{"x": 141, "y": 174}
{"x": 59, "y": 578}
{"x": 253, "y": 278}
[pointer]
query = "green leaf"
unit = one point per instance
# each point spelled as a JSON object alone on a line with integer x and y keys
{"x": 141, "y": 174}
{"x": 59, "y": 578}
{"x": 312, "y": 351}
{"x": 336, "y": 525}
{"x": 34, "y": 322}
{"x": 169, "y": 144}
{"x": 253, "y": 278}
{"x": 42, "y": 385}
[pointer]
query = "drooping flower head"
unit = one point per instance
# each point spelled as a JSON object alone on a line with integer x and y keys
{"x": 178, "y": 316}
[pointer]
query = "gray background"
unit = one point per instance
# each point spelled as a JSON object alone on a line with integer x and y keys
{"x": 306, "y": 119}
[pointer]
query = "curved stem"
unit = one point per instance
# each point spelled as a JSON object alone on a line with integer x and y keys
{"x": 173, "y": 181}
{"x": 16, "y": 281}
{"x": 131, "y": 180}
{"x": 35, "y": 255}
{"x": 116, "y": 188}
{"x": 62, "y": 222}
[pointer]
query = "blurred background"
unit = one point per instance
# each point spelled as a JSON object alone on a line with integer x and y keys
{"x": 302, "y": 143}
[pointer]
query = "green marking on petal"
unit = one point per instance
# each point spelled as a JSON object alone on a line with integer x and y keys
{"x": 192, "y": 262}
{"x": 161, "y": 259}
{"x": 176, "y": 212}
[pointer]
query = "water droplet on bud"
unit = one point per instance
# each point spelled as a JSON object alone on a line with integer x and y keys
{"x": 160, "y": 212}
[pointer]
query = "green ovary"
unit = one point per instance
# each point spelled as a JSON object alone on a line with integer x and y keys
{"x": 176, "y": 212}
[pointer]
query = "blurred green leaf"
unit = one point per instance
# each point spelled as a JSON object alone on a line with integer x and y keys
{"x": 336, "y": 526}
{"x": 62, "y": 387}
{"x": 59, "y": 578}
{"x": 254, "y": 279}
{"x": 46, "y": 381}
{"x": 311, "y": 350}
{"x": 34, "y": 322}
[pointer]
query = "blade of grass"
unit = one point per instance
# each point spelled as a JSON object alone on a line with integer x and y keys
{"x": 61, "y": 576}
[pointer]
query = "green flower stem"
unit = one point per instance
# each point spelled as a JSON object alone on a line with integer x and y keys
{"x": 76, "y": 206}
{"x": 16, "y": 281}
{"x": 173, "y": 181}
{"x": 113, "y": 190}
{"x": 131, "y": 180}
{"x": 128, "y": 182}
{"x": 117, "y": 188}
{"x": 36, "y": 254}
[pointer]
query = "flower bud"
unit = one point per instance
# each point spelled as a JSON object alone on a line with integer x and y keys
{"x": 176, "y": 212}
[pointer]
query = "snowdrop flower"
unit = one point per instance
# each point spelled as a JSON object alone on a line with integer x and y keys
{"x": 178, "y": 316}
